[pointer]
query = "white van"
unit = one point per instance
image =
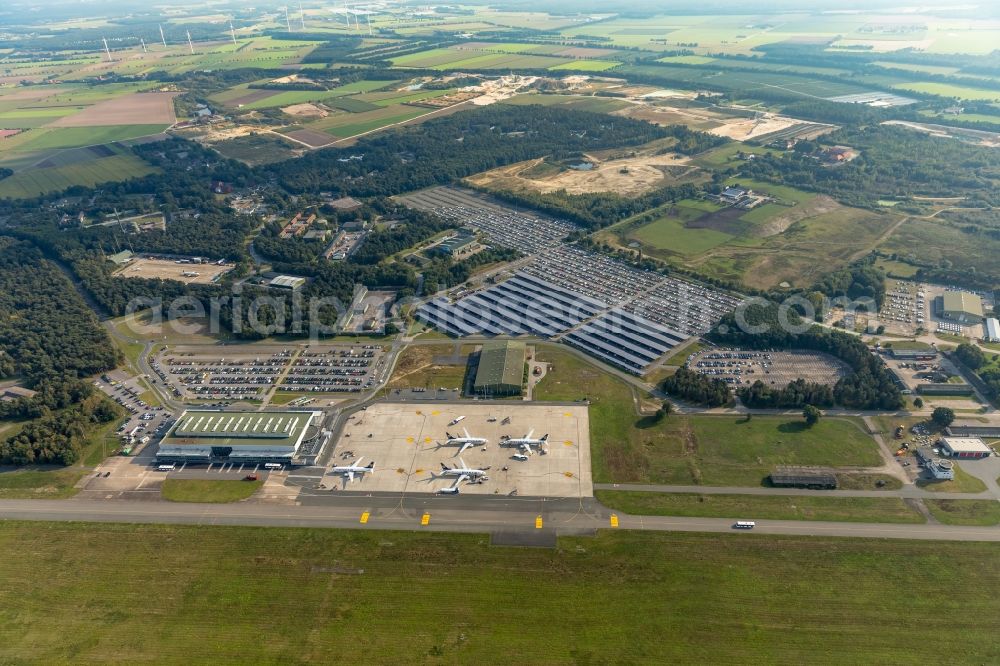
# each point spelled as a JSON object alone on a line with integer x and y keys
{"x": 745, "y": 524}
{"x": 166, "y": 468}
{"x": 273, "y": 465}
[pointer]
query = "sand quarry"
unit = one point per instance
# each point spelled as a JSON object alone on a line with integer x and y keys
{"x": 628, "y": 176}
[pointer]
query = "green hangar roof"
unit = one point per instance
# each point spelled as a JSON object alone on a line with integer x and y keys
{"x": 501, "y": 367}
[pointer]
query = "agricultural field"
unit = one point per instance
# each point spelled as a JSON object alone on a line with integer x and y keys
{"x": 635, "y": 587}
{"x": 38, "y": 180}
{"x": 951, "y": 90}
{"x": 502, "y": 56}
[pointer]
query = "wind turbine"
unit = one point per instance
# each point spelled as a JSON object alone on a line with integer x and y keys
{"x": 302, "y": 17}
{"x": 143, "y": 42}
{"x": 232, "y": 32}
{"x": 106, "y": 49}
{"x": 190, "y": 45}
{"x": 288, "y": 23}
{"x": 162, "y": 38}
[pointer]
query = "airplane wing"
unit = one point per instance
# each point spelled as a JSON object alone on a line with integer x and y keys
{"x": 350, "y": 476}
{"x": 464, "y": 447}
{"x": 358, "y": 463}
{"x": 527, "y": 448}
{"x": 466, "y": 431}
{"x": 462, "y": 479}
{"x": 530, "y": 433}
{"x": 462, "y": 463}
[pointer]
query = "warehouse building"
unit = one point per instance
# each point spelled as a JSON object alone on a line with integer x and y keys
{"x": 460, "y": 246}
{"x": 803, "y": 477}
{"x": 961, "y": 306}
{"x": 973, "y": 429}
{"x": 991, "y": 330}
{"x": 501, "y": 369}
{"x": 964, "y": 447}
{"x": 211, "y": 436}
{"x": 913, "y": 354}
{"x": 945, "y": 389}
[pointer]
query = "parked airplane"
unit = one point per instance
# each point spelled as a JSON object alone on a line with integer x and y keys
{"x": 461, "y": 475}
{"x": 456, "y": 420}
{"x": 350, "y": 470}
{"x": 464, "y": 442}
{"x": 526, "y": 442}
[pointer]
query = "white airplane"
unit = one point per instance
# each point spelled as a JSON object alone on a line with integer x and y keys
{"x": 456, "y": 420}
{"x": 461, "y": 475}
{"x": 526, "y": 442}
{"x": 464, "y": 442}
{"x": 350, "y": 470}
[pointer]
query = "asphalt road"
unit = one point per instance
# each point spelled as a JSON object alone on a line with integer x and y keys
{"x": 451, "y": 514}
{"x": 907, "y": 491}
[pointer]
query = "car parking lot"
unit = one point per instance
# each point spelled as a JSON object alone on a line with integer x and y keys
{"x": 739, "y": 367}
{"x": 144, "y": 424}
{"x": 406, "y": 442}
{"x": 249, "y": 372}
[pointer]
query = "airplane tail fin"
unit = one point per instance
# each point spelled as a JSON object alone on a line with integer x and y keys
{"x": 371, "y": 465}
{"x": 449, "y": 435}
{"x": 444, "y": 468}
{"x": 545, "y": 437}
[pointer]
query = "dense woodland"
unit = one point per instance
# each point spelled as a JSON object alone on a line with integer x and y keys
{"x": 697, "y": 388}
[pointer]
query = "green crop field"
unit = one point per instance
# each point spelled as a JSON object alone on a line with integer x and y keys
{"x": 671, "y": 234}
{"x": 587, "y": 65}
{"x": 234, "y": 594}
{"x": 848, "y": 509}
{"x": 728, "y": 450}
{"x": 50, "y": 138}
{"x": 950, "y": 90}
{"x": 32, "y": 182}
{"x": 373, "y": 120}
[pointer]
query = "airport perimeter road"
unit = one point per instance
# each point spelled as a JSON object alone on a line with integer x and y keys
{"x": 906, "y": 492}
{"x": 522, "y": 515}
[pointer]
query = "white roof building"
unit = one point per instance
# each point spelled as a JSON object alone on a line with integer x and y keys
{"x": 991, "y": 330}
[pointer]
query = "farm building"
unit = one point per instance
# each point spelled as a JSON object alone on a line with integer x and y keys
{"x": 961, "y": 306}
{"x": 991, "y": 330}
{"x": 15, "y": 393}
{"x": 207, "y": 436}
{"x": 964, "y": 447}
{"x": 803, "y": 477}
{"x": 501, "y": 368}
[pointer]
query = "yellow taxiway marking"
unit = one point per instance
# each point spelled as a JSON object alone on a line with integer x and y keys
{"x": 425, "y": 519}
{"x": 568, "y": 442}
{"x": 614, "y": 520}
{"x": 567, "y": 414}
{"x": 538, "y": 522}
{"x": 435, "y": 413}
{"x": 364, "y": 518}
{"x": 427, "y": 440}
{"x": 409, "y": 440}
{"x": 418, "y": 412}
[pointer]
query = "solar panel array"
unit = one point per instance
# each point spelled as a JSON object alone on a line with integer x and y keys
{"x": 524, "y": 304}
{"x": 624, "y": 339}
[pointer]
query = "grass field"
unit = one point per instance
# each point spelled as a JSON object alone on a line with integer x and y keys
{"x": 965, "y": 512}
{"x": 50, "y": 138}
{"x": 33, "y": 182}
{"x": 950, "y": 90}
{"x": 230, "y": 594}
{"x": 683, "y": 450}
{"x": 962, "y": 483}
{"x": 417, "y": 368}
{"x": 213, "y": 492}
{"x": 849, "y": 509}
{"x": 932, "y": 241}
{"x": 36, "y": 484}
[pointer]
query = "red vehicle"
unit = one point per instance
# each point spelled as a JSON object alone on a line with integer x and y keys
{"x": 251, "y": 477}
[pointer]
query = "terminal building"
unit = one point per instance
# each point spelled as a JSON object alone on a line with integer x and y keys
{"x": 501, "y": 369}
{"x": 203, "y": 436}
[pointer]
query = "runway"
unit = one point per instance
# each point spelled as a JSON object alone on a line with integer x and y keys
{"x": 453, "y": 514}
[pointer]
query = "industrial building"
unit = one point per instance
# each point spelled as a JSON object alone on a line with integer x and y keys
{"x": 964, "y": 447}
{"x": 939, "y": 470}
{"x": 803, "y": 477}
{"x": 460, "y": 246}
{"x": 991, "y": 330}
{"x": 945, "y": 389}
{"x": 289, "y": 282}
{"x": 210, "y": 436}
{"x": 973, "y": 429}
{"x": 962, "y": 306}
{"x": 913, "y": 354}
{"x": 501, "y": 369}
